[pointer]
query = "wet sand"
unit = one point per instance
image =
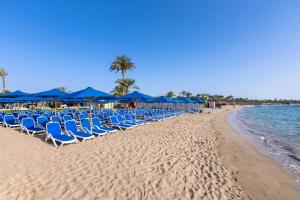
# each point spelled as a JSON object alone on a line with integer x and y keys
{"x": 259, "y": 176}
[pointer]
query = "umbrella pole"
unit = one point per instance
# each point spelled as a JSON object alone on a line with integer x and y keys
{"x": 135, "y": 108}
{"x": 90, "y": 105}
{"x": 55, "y": 108}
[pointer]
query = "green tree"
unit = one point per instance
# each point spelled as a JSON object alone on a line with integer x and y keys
{"x": 185, "y": 94}
{"x": 5, "y": 92}
{"x": 63, "y": 89}
{"x": 170, "y": 94}
{"x": 122, "y": 63}
{"x": 124, "y": 86}
{"x": 3, "y": 74}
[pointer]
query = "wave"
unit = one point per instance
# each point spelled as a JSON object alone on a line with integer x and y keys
{"x": 269, "y": 141}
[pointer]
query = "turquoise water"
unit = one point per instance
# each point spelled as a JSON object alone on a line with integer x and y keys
{"x": 274, "y": 131}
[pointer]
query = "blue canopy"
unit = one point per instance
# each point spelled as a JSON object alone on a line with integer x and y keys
{"x": 199, "y": 100}
{"x": 14, "y": 94}
{"x": 72, "y": 100}
{"x": 29, "y": 98}
{"x": 134, "y": 96}
{"x": 133, "y": 101}
{"x": 51, "y": 93}
{"x": 89, "y": 92}
{"x": 6, "y": 100}
{"x": 162, "y": 99}
{"x": 178, "y": 100}
{"x": 184, "y": 100}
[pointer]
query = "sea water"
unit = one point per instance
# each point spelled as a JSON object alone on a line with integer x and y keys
{"x": 274, "y": 130}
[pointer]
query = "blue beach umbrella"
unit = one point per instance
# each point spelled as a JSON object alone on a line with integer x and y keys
{"x": 199, "y": 100}
{"x": 136, "y": 97}
{"x": 54, "y": 94}
{"x": 163, "y": 99}
{"x": 30, "y": 99}
{"x": 186, "y": 100}
{"x": 15, "y": 94}
{"x": 6, "y": 100}
{"x": 89, "y": 94}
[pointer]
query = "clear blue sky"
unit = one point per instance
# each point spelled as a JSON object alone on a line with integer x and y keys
{"x": 245, "y": 48}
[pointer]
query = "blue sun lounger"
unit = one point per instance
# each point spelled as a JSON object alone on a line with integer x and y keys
{"x": 55, "y": 133}
{"x": 1, "y": 119}
{"x": 115, "y": 123}
{"x": 67, "y": 118}
{"x": 71, "y": 129}
{"x": 28, "y": 125}
{"x": 42, "y": 122}
{"x": 57, "y": 119}
{"x": 132, "y": 119}
{"x": 86, "y": 126}
{"x": 122, "y": 120}
{"x": 97, "y": 124}
{"x": 10, "y": 121}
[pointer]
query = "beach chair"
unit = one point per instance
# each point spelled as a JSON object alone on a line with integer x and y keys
{"x": 28, "y": 125}
{"x": 55, "y": 133}
{"x": 10, "y": 121}
{"x": 42, "y": 122}
{"x": 22, "y": 116}
{"x": 140, "y": 122}
{"x": 98, "y": 125}
{"x": 57, "y": 119}
{"x": 128, "y": 120}
{"x": 16, "y": 115}
{"x": 67, "y": 118}
{"x": 122, "y": 120}
{"x": 86, "y": 126}
{"x": 35, "y": 116}
{"x": 115, "y": 123}
{"x": 82, "y": 116}
{"x": 1, "y": 119}
{"x": 47, "y": 115}
{"x": 71, "y": 128}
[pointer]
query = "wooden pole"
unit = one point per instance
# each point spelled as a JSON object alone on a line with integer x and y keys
{"x": 90, "y": 105}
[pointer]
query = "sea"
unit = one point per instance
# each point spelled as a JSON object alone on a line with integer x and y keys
{"x": 274, "y": 130}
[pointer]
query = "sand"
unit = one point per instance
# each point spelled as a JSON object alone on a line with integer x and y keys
{"x": 173, "y": 159}
{"x": 259, "y": 176}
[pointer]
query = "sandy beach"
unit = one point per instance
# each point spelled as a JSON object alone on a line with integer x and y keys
{"x": 174, "y": 159}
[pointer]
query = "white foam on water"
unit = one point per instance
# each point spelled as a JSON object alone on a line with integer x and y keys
{"x": 265, "y": 144}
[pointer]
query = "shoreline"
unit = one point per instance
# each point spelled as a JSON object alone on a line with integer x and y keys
{"x": 259, "y": 176}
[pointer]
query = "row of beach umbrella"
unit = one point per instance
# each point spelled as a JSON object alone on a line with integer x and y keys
{"x": 88, "y": 95}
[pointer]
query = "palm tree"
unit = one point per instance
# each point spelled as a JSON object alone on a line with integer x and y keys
{"x": 124, "y": 86}
{"x": 3, "y": 74}
{"x": 63, "y": 89}
{"x": 170, "y": 94}
{"x": 122, "y": 63}
{"x": 185, "y": 94}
